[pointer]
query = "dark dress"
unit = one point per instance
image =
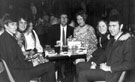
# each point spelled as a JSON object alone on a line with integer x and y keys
{"x": 96, "y": 55}
{"x": 101, "y": 46}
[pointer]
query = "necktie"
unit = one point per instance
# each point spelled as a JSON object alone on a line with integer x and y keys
{"x": 63, "y": 38}
{"x": 15, "y": 36}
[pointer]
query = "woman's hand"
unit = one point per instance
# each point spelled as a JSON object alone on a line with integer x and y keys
{"x": 104, "y": 67}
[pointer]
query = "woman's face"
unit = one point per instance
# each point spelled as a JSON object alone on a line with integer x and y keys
{"x": 80, "y": 20}
{"x": 22, "y": 25}
{"x": 30, "y": 28}
{"x": 102, "y": 27}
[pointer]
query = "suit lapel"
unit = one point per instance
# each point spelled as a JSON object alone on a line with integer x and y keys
{"x": 58, "y": 31}
{"x": 67, "y": 31}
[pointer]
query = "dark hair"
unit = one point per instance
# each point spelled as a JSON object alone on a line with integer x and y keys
{"x": 83, "y": 15}
{"x": 24, "y": 17}
{"x": 63, "y": 13}
{"x": 102, "y": 19}
{"x": 8, "y": 19}
{"x": 116, "y": 18}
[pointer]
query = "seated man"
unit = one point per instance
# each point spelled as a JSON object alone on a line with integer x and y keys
{"x": 118, "y": 57}
{"x": 21, "y": 70}
{"x": 59, "y": 33}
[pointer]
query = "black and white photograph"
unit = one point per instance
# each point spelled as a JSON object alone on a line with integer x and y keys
{"x": 67, "y": 40}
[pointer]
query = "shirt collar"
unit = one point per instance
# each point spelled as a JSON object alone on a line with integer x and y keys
{"x": 117, "y": 37}
{"x": 63, "y": 26}
{"x": 9, "y": 32}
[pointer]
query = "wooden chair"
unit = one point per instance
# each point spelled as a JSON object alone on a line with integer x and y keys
{"x": 121, "y": 79}
{"x": 10, "y": 75}
{"x": 1, "y": 67}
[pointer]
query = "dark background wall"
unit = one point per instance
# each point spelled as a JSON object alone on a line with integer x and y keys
{"x": 93, "y": 8}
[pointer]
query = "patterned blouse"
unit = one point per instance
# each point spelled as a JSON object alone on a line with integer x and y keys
{"x": 86, "y": 35}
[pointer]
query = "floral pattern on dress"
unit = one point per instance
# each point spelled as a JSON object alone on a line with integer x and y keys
{"x": 86, "y": 35}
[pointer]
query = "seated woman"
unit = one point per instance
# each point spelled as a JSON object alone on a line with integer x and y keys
{"x": 28, "y": 39}
{"x": 86, "y": 34}
{"x": 31, "y": 39}
{"x": 103, "y": 38}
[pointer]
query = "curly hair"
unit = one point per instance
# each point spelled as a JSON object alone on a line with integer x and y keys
{"x": 83, "y": 15}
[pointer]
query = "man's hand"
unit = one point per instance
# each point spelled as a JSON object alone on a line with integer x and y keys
{"x": 32, "y": 52}
{"x": 104, "y": 67}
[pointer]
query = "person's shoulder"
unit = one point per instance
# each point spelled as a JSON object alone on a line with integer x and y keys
{"x": 56, "y": 25}
{"x": 89, "y": 26}
{"x": 70, "y": 27}
{"x": 3, "y": 35}
{"x": 125, "y": 36}
{"x": 127, "y": 39}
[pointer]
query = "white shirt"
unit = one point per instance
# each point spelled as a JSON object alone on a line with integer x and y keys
{"x": 32, "y": 43}
{"x": 61, "y": 33}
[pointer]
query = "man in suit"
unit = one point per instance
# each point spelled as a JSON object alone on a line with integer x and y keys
{"x": 56, "y": 31}
{"x": 118, "y": 57}
{"x": 21, "y": 70}
{"x": 55, "y": 35}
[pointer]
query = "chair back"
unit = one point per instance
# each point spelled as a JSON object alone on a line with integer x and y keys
{"x": 10, "y": 75}
{"x": 8, "y": 71}
{"x": 1, "y": 67}
{"x": 121, "y": 79}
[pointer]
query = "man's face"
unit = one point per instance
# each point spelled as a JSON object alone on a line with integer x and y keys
{"x": 11, "y": 27}
{"x": 115, "y": 28}
{"x": 64, "y": 19}
{"x": 22, "y": 25}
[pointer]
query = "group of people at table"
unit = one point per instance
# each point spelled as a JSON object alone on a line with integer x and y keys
{"x": 108, "y": 55}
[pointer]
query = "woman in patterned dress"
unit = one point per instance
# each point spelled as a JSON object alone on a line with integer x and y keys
{"x": 86, "y": 34}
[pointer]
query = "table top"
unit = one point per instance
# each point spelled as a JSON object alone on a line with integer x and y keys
{"x": 66, "y": 57}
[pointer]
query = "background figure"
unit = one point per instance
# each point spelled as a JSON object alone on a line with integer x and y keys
{"x": 86, "y": 34}
{"x": 41, "y": 27}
